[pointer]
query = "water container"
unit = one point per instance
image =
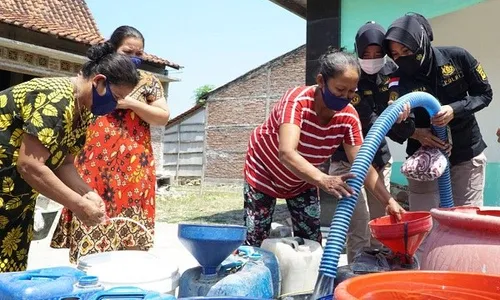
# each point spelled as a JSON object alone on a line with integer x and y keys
{"x": 132, "y": 268}
{"x": 465, "y": 239}
{"x": 420, "y": 285}
{"x": 47, "y": 284}
{"x": 299, "y": 261}
{"x": 271, "y": 262}
{"x": 253, "y": 280}
{"x": 303, "y": 296}
{"x": 236, "y": 275}
{"x": 131, "y": 293}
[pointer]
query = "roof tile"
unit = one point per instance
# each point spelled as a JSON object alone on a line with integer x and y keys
{"x": 69, "y": 19}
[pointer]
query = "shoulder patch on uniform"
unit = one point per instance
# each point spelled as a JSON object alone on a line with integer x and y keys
{"x": 367, "y": 93}
{"x": 481, "y": 73}
{"x": 447, "y": 70}
{"x": 355, "y": 99}
{"x": 393, "y": 95}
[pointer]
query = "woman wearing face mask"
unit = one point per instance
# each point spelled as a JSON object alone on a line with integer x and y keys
{"x": 458, "y": 80}
{"x": 303, "y": 130}
{"x": 117, "y": 161}
{"x": 42, "y": 129}
{"x": 369, "y": 101}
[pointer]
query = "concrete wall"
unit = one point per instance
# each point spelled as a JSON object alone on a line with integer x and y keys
{"x": 234, "y": 110}
{"x": 183, "y": 145}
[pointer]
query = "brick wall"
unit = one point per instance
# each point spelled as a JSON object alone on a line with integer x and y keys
{"x": 235, "y": 109}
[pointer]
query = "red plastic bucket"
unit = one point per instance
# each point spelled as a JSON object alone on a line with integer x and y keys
{"x": 420, "y": 285}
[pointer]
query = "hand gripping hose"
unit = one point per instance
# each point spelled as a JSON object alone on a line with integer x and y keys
{"x": 343, "y": 213}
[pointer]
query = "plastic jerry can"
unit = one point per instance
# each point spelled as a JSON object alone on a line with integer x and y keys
{"x": 48, "y": 284}
{"x": 299, "y": 261}
{"x": 130, "y": 293}
{"x": 254, "y": 280}
{"x": 237, "y": 274}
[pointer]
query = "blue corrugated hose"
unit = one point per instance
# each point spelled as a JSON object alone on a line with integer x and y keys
{"x": 345, "y": 207}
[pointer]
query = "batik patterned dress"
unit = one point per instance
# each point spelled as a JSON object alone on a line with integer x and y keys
{"x": 42, "y": 107}
{"x": 117, "y": 161}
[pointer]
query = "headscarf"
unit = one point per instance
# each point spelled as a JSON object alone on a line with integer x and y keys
{"x": 370, "y": 34}
{"x": 409, "y": 32}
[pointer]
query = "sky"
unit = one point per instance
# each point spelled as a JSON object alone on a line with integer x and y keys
{"x": 215, "y": 40}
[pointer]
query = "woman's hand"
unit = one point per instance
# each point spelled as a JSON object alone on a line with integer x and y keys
{"x": 92, "y": 210}
{"x": 394, "y": 209}
{"x": 126, "y": 103}
{"x": 444, "y": 116}
{"x": 404, "y": 114}
{"x": 428, "y": 139}
{"x": 336, "y": 185}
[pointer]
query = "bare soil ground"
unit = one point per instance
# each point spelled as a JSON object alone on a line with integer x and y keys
{"x": 212, "y": 204}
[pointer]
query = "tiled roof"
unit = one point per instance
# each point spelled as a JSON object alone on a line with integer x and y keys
{"x": 69, "y": 19}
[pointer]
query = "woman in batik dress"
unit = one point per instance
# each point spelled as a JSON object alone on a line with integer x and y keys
{"x": 117, "y": 161}
{"x": 42, "y": 128}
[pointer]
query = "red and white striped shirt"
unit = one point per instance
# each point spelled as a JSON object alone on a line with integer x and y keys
{"x": 263, "y": 169}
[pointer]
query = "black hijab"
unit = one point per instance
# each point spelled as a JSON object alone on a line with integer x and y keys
{"x": 369, "y": 34}
{"x": 410, "y": 31}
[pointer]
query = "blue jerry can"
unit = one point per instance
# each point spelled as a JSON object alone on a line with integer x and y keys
{"x": 131, "y": 293}
{"x": 253, "y": 273}
{"x": 48, "y": 284}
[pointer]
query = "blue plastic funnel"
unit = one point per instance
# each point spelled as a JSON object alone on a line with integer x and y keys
{"x": 211, "y": 244}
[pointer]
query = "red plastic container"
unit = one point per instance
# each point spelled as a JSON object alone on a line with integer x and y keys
{"x": 420, "y": 285}
{"x": 465, "y": 239}
{"x": 402, "y": 237}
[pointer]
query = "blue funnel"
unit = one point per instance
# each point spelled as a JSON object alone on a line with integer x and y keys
{"x": 211, "y": 244}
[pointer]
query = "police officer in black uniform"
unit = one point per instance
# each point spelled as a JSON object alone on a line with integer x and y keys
{"x": 370, "y": 100}
{"x": 460, "y": 83}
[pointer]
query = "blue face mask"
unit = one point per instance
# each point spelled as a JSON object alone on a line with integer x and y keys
{"x": 331, "y": 101}
{"x": 136, "y": 60}
{"x": 102, "y": 105}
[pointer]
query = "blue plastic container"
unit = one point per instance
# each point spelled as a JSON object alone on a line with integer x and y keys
{"x": 254, "y": 280}
{"x": 253, "y": 273}
{"x": 48, "y": 284}
{"x": 222, "y": 298}
{"x": 130, "y": 293}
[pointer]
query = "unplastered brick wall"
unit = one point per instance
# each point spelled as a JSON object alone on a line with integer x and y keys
{"x": 235, "y": 109}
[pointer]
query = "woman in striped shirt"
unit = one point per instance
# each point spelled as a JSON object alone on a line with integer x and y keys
{"x": 303, "y": 130}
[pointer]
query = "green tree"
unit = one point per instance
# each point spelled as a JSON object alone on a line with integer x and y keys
{"x": 200, "y": 93}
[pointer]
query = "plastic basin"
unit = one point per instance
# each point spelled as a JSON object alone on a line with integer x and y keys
{"x": 420, "y": 285}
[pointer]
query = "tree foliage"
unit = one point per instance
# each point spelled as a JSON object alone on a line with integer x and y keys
{"x": 200, "y": 93}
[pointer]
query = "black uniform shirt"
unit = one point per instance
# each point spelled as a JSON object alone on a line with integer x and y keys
{"x": 458, "y": 80}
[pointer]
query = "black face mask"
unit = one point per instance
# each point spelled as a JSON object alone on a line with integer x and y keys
{"x": 408, "y": 65}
